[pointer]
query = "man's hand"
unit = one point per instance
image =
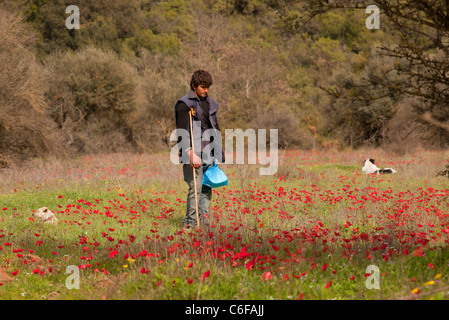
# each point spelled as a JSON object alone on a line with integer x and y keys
{"x": 195, "y": 161}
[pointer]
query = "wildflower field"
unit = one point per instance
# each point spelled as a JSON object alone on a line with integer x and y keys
{"x": 311, "y": 231}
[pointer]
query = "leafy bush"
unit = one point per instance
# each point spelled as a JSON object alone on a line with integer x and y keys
{"x": 25, "y": 128}
{"x": 114, "y": 82}
{"x": 290, "y": 134}
{"x": 162, "y": 86}
{"x": 94, "y": 98}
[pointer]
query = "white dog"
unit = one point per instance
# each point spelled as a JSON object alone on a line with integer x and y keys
{"x": 370, "y": 168}
{"x": 45, "y": 215}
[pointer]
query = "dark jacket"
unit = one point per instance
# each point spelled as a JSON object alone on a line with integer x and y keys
{"x": 182, "y": 108}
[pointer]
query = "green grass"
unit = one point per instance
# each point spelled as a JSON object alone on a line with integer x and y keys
{"x": 111, "y": 208}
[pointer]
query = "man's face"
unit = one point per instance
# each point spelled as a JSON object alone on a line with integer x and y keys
{"x": 201, "y": 91}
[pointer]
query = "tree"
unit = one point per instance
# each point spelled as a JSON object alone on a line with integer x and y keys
{"x": 25, "y": 128}
{"x": 421, "y": 29}
{"x": 95, "y": 99}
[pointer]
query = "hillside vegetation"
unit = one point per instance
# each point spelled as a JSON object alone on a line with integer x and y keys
{"x": 310, "y": 69}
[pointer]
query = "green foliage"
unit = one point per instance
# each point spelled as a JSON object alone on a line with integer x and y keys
{"x": 34, "y": 7}
{"x": 328, "y": 51}
{"x": 239, "y": 7}
{"x": 345, "y": 26}
{"x": 26, "y": 130}
{"x": 162, "y": 43}
{"x": 109, "y": 202}
{"x": 358, "y": 113}
{"x": 324, "y": 74}
{"x": 104, "y": 26}
{"x": 102, "y": 33}
{"x": 171, "y": 17}
{"x": 93, "y": 97}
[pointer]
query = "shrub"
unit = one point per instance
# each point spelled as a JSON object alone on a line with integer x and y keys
{"x": 26, "y": 130}
{"x": 290, "y": 134}
{"x": 95, "y": 99}
{"x": 163, "y": 85}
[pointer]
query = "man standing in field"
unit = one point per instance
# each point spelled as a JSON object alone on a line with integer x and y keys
{"x": 198, "y": 160}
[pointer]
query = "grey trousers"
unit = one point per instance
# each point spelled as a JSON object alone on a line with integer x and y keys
{"x": 204, "y": 194}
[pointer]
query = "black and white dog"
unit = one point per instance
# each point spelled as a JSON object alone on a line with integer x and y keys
{"x": 370, "y": 168}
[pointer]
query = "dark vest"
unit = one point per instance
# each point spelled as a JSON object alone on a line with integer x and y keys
{"x": 192, "y": 101}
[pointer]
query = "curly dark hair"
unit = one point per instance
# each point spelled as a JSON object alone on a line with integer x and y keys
{"x": 201, "y": 77}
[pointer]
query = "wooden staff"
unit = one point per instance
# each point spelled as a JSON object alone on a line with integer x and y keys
{"x": 191, "y": 113}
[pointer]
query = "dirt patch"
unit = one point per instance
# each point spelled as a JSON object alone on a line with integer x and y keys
{"x": 54, "y": 295}
{"x": 109, "y": 286}
{"x": 110, "y": 281}
{"x": 32, "y": 258}
{"x": 35, "y": 261}
{"x": 4, "y": 276}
